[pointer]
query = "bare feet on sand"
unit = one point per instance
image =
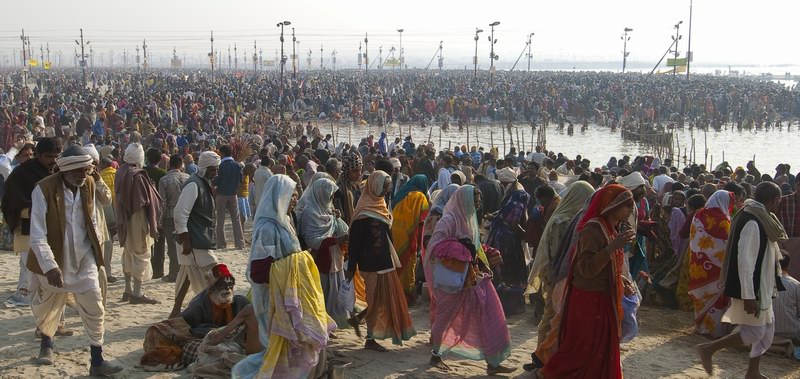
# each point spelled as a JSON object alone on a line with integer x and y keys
{"x": 705, "y": 357}
{"x": 439, "y": 363}
{"x": 496, "y": 370}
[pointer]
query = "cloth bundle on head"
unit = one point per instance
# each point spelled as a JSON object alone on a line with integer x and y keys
{"x": 221, "y": 273}
{"x": 632, "y": 180}
{"x": 106, "y": 150}
{"x": 604, "y": 201}
{"x": 350, "y": 162}
{"x": 92, "y": 151}
{"x": 395, "y": 162}
{"x": 207, "y": 159}
{"x": 372, "y": 204}
{"x": 74, "y": 162}
{"x": 506, "y": 175}
{"x": 134, "y": 154}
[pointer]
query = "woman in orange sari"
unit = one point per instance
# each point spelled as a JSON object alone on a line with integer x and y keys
{"x": 589, "y": 323}
{"x": 708, "y": 238}
{"x": 409, "y": 210}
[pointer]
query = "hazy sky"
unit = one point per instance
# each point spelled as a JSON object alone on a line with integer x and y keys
{"x": 723, "y": 32}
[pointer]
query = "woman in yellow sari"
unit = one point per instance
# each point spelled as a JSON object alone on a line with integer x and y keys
{"x": 409, "y": 210}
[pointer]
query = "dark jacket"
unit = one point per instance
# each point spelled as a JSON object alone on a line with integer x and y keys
{"x": 228, "y": 178}
{"x": 369, "y": 244}
{"x": 201, "y": 219}
{"x": 199, "y": 314}
{"x": 733, "y": 286}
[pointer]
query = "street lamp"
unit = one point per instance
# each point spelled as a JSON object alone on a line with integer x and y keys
{"x": 475, "y": 57}
{"x": 530, "y": 42}
{"x": 283, "y": 62}
{"x": 676, "y": 38}
{"x": 492, "y": 56}
{"x": 625, "y": 39}
{"x": 366, "y": 55}
{"x": 689, "y": 54}
{"x": 294, "y": 66}
{"x": 401, "y": 47}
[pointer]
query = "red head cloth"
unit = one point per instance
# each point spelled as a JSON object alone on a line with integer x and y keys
{"x": 605, "y": 200}
{"x": 221, "y": 271}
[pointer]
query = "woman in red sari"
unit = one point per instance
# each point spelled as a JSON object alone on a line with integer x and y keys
{"x": 589, "y": 324}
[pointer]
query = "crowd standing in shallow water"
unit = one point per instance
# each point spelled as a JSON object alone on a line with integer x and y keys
{"x": 349, "y": 235}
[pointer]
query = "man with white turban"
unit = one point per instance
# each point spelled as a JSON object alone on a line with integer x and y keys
{"x": 194, "y": 216}
{"x": 66, "y": 256}
{"x": 138, "y": 209}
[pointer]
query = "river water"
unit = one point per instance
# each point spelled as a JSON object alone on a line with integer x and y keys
{"x": 599, "y": 143}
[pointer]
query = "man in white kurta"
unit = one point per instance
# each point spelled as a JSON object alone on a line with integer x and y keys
{"x": 195, "y": 262}
{"x": 750, "y": 277}
{"x": 66, "y": 200}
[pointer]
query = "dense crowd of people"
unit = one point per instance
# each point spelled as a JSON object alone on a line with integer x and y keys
{"x": 351, "y": 235}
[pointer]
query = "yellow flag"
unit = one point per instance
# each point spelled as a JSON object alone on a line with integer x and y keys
{"x": 33, "y": 62}
{"x": 47, "y": 65}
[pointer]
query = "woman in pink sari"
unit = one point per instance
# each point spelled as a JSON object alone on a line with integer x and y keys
{"x": 469, "y": 319}
{"x": 708, "y": 238}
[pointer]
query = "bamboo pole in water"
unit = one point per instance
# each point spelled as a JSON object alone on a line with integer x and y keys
{"x": 477, "y": 137}
{"x": 491, "y": 139}
{"x": 503, "y": 152}
{"x": 705, "y": 143}
{"x": 440, "y": 138}
{"x": 523, "y": 141}
{"x": 467, "y": 137}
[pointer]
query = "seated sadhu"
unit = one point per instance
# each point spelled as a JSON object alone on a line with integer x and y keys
{"x": 214, "y": 331}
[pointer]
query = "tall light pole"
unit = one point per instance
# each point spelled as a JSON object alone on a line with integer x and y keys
{"x": 138, "y": 60}
{"x": 677, "y": 38}
{"x": 689, "y": 54}
{"x": 144, "y": 54}
{"x": 320, "y": 58}
{"x": 625, "y": 39}
{"x": 283, "y": 62}
{"x": 83, "y": 56}
{"x": 401, "y": 47}
{"x": 366, "y": 55}
{"x": 294, "y": 56}
{"x": 255, "y": 57}
{"x": 475, "y": 57}
{"x": 211, "y": 56}
{"x": 530, "y": 56}
{"x": 236, "y": 56}
{"x": 492, "y": 56}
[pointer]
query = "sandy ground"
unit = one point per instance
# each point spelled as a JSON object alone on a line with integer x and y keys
{"x": 664, "y": 348}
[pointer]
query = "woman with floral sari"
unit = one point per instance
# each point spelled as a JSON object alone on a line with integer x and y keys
{"x": 409, "y": 210}
{"x": 469, "y": 320}
{"x": 708, "y": 238}
{"x": 589, "y": 323}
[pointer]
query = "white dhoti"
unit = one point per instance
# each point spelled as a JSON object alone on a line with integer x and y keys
{"x": 136, "y": 251}
{"x": 48, "y": 303}
{"x": 758, "y": 337}
{"x": 196, "y": 268}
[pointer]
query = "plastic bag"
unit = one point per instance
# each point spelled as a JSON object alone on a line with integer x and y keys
{"x": 630, "y": 326}
{"x": 347, "y": 296}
